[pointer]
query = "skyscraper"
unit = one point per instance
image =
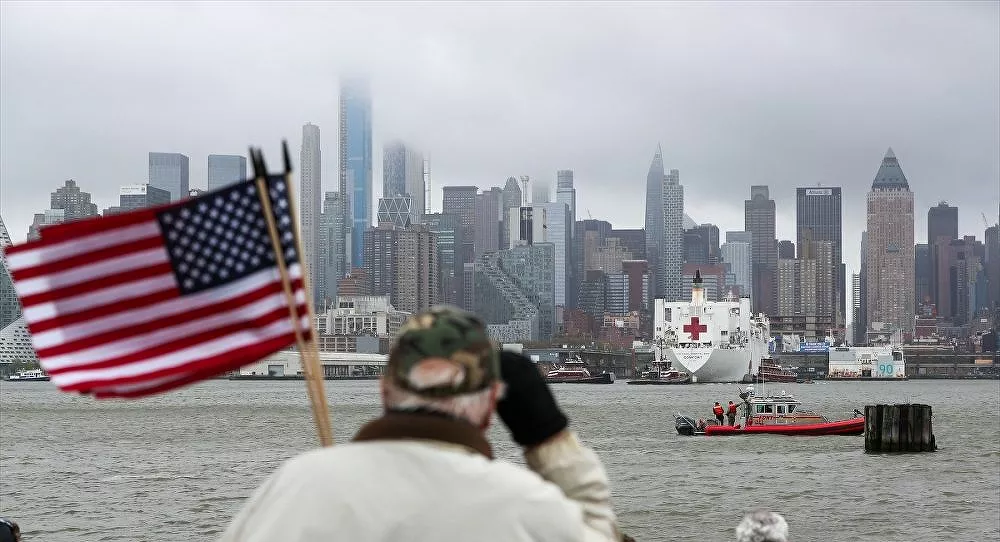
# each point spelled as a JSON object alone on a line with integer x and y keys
{"x": 957, "y": 272}
{"x": 942, "y": 221}
{"x": 737, "y": 255}
{"x": 633, "y": 239}
{"x": 786, "y": 249}
{"x": 566, "y": 193}
{"x": 461, "y": 201}
{"x": 402, "y": 263}
{"x": 922, "y": 275}
{"x": 332, "y": 232}
{"x": 541, "y": 191}
{"x": 557, "y": 232}
{"x": 169, "y": 171}
{"x": 403, "y": 176}
{"x": 356, "y": 161}
{"x": 448, "y": 229}
{"x": 75, "y": 203}
{"x": 527, "y": 225}
{"x": 655, "y": 221}
{"x": 942, "y": 228}
{"x": 857, "y": 323}
{"x": 890, "y": 251}
{"x": 310, "y": 204}
{"x": 10, "y": 307}
{"x": 45, "y": 218}
{"x": 673, "y": 236}
{"x": 512, "y": 199}
{"x": 486, "y": 237}
{"x": 701, "y": 244}
{"x": 861, "y": 322}
{"x": 760, "y": 222}
{"x": 818, "y": 212}
{"x": 67, "y": 203}
{"x": 225, "y": 169}
{"x": 138, "y": 196}
{"x": 992, "y": 242}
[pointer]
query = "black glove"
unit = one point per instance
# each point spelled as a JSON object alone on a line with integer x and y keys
{"x": 528, "y": 409}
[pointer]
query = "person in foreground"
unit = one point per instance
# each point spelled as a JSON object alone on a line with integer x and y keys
{"x": 424, "y": 470}
{"x": 762, "y": 526}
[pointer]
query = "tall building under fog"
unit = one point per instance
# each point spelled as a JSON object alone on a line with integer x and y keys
{"x": 356, "y": 162}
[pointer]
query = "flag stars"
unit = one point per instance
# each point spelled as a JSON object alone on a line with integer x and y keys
{"x": 224, "y": 236}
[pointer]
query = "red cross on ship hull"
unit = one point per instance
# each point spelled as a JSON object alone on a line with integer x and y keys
{"x": 695, "y": 328}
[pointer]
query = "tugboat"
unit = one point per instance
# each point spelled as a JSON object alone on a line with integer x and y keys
{"x": 770, "y": 371}
{"x": 574, "y": 371}
{"x": 34, "y": 375}
{"x": 773, "y": 414}
{"x": 661, "y": 373}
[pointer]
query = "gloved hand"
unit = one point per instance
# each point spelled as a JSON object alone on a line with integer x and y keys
{"x": 528, "y": 409}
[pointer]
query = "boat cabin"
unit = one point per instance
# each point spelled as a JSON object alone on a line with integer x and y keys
{"x": 776, "y": 409}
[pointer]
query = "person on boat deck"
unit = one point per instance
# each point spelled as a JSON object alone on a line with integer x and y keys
{"x": 731, "y": 413}
{"x": 719, "y": 412}
{"x": 424, "y": 470}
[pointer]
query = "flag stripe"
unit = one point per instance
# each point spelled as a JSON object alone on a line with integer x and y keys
{"x": 196, "y": 356}
{"x": 52, "y": 314}
{"x": 125, "y": 320}
{"x": 227, "y": 361}
{"x": 126, "y": 349}
{"x": 180, "y": 349}
{"x": 44, "y": 251}
{"x": 52, "y": 282}
{"x": 131, "y": 301}
{"x": 80, "y": 228}
{"x": 71, "y": 262}
{"x": 93, "y": 286}
{"x": 160, "y": 330}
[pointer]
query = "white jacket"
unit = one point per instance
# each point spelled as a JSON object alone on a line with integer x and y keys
{"x": 405, "y": 489}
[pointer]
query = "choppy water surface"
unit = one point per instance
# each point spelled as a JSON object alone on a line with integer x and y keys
{"x": 176, "y": 467}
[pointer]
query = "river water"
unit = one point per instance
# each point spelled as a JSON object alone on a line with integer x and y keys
{"x": 176, "y": 467}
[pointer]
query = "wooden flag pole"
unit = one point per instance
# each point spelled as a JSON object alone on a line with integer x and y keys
{"x": 314, "y": 383}
{"x": 311, "y": 352}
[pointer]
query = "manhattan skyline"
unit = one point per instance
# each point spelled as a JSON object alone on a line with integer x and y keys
{"x": 745, "y": 109}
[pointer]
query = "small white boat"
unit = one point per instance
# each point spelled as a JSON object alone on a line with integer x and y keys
{"x": 34, "y": 375}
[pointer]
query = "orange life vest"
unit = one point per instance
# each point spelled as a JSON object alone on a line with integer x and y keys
{"x": 717, "y": 409}
{"x": 732, "y": 408}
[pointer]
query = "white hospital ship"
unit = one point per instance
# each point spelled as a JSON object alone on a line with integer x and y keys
{"x": 714, "y": 341}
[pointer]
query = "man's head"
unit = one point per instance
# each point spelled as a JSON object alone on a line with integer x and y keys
{"x": 762, "y": 526}
{"x": 443, "y": 360}
{"x": 730, "y": 402}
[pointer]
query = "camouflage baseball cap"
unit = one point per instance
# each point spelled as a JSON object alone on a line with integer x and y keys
{"x": 444, "y": 336}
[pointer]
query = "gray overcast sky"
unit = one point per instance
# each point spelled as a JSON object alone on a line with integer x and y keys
{"x": 789, "y": 94}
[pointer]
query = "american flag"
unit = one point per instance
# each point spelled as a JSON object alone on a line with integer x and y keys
{"x": 143, "y": 302}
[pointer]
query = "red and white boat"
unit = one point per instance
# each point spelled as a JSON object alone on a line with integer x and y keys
{"x": 574, "y": 371}
{"x": 773, "y": 414}
{"x": 770, "y": 371}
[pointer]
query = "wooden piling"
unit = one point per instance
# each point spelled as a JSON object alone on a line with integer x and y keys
{"x": 898, "y": 429}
